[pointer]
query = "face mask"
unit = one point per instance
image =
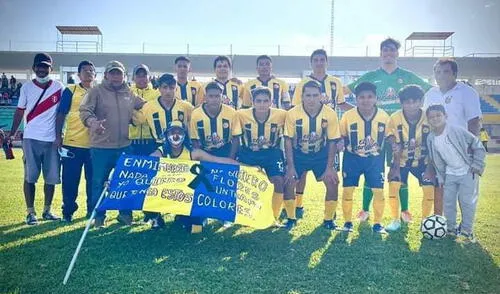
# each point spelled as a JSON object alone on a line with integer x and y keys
{"x": 43, "y": 80}
{"x": 63, "y": 152}
{"x": 175, "y": 140}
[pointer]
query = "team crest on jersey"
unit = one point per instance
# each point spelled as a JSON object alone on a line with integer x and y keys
{"x": 276, "y": 85}
{"x": 425, "y": 129}
{"x": 181, "y": 117}
{"x": 234, "y": 87}
{"x": 324, "y": 124}
{"x": 333, "y": 85}
{"x": 126, "y": 98}
{"x": 381, "y": 129}
{"x": 400, "y": 81}
{"x": 447, "y": 100}
{"x": 225, "y": 125}
{"x": 193, "y": 91}
{"x": 273, "y": 130}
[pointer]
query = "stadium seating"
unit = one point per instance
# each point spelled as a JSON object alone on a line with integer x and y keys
{"x": 496, "y": 97}
{"x": 488, "y": 107}
{"x": 6, "y": 115}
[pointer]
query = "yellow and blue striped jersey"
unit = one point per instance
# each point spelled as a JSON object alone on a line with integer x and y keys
{"x": 141, "y": 131}
{"x": 192, "y": 92}
{"x": 364, "y": 137}
{"x": 261, "y": 135}
{"x": 332, "y": 91}
{"x": 279, "y": 90}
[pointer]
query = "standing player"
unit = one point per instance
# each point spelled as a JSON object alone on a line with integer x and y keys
{"x": 162, "y": 110}
{"x": 311, "y": 132}
{"x": 410, "y": 130}
{"x": 280, "y": 96}
{"x": 389, "y": 79}
{"x": 215, "y": 127}
{"x": 231, "y": 88}
{"x": 142, "y": 141}
{"x": 332, "y": 94}
{"x": 262, "y": 132}
{"x": 190, "y": 91}
{"x": 76, "y": 141}
{"x": 364, "y": 130}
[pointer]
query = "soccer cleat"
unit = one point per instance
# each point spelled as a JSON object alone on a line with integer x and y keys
{"x": 290, "y": 224}
{"x": 329, "y": 225}
{"x": 283, "y": 214}
{"x": 124, "y": 219}
{"x": 47, "y": 215}
{"x": 67, "y": 218}
{"x": 157, "y": 222}
{"x": 378, "y": 228}
{"x": 98, "y": 222}
{"x": 466, "y": 237}
{"x": 228, "y": 224}
{"x": 395, "y": 225}
{"x": 348, "y": 227}
{"x": 363, "y": 216}
{"x": 299, "y": 212}
{"x": 406, "y": 216}
{"x": 278, "y": 224}
{"x": 31, "y": 219}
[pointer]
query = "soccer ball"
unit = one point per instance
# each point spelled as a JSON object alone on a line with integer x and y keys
{"x": 434, "y": 227}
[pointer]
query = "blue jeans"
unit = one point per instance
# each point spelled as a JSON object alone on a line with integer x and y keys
{"x": 103, "y": 161}
{"x": 71, "y": 173}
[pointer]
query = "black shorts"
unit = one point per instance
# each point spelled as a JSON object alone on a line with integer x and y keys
{"x": 220, "y": 152}
{"x": 271, "y": 160}
{"x": 317, "y": 162}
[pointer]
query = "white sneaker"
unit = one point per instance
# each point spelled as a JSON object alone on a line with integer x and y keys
{"x": 395, "y": 225}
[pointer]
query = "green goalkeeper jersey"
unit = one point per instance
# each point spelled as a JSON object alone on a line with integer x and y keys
{"x": 388, "y": 85}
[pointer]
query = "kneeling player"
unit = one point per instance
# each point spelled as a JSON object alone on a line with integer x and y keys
{"x": 177, "y": 145}
{"x": 410, "y": 129}
{"x": 311, "y": 134}
{"x": 262, "y": 128}
{"x": 364, "y": 130}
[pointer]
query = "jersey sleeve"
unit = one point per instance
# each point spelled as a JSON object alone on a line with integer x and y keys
{"x": 65, "y": 104}
{"x": 193, "y": 132}
{"x": 333, "y": 132}
{"x": 246, "y": 96}
{"x": 472, "y": 104}
{"x": 289, "y": 125}
{"x": 236, "y": 125}
{"x": 343, "y": 125}
{"x": 285, "y": 94}
{"x": 200, "y": 95}
{"x": 363, "y": 78}
{"x": 414, "y": 79}
{"x": 23, "y": 100}
{"x": 340, "y": 93}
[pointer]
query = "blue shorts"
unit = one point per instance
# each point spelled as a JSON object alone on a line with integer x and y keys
{"x": 353, "y": 166}
{"x": 417, "y": 172}
{"x": 316, "y": 162}
{"x": 271, "y": 160}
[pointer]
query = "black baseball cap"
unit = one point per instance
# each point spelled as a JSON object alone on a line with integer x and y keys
{"x": 42, "y": 58}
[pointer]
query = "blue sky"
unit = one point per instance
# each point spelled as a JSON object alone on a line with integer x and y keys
{"x": 252, "y": 27}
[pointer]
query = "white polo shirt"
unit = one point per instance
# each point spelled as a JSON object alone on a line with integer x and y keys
{"x": 461, "y": 103}
{"x": 40, "y": 122}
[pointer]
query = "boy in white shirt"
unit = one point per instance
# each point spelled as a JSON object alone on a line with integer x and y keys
{"x": 458, "y": 158}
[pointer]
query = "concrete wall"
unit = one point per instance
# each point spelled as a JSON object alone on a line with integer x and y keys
{"x": 284, "y": 66}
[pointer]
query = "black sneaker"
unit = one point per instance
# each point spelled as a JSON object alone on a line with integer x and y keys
{"x": 67, "y": 218}
{"x": 50, "y": 216}
{"x": 290, "y": 224}
{"x": 31, "y": 219}
{"x": 329, "y": 225}
{"x": 157, "y": 222}
{"x": 299, "y": 212}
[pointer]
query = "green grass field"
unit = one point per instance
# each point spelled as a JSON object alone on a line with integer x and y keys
{"x": 33, "y": 259}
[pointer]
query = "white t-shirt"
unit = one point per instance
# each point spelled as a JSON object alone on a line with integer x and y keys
{"x": 40, "y": 124}
{"x": 455, "y": 164}
{"x": 461, "y": 103}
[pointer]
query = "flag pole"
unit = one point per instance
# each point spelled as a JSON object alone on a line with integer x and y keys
{"x": 87, "y": 228}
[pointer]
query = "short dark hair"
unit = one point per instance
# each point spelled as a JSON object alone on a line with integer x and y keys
{"x": 167, "y": 79}
{"x": 222, "y": 58}
{"x": 447, "y": 60}
{"x": 365, "y": 86}
{"x": 411, "y": 92}
{"x": 213, "y": 86}
{"x": 311, "y": 84}
{"x": 435, "y": 107}
{"x": 389, "y": 41}
{"x": 261, "y": 57}
{"x": 182, "y": 58}
{"x": 84, "y": 63}
{"x": 260, "y": 90}
{"x": 319, "y": 52}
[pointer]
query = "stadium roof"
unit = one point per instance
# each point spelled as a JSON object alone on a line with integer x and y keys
{"x": 429, "y": 35}
{"x": 79, "y": 30}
